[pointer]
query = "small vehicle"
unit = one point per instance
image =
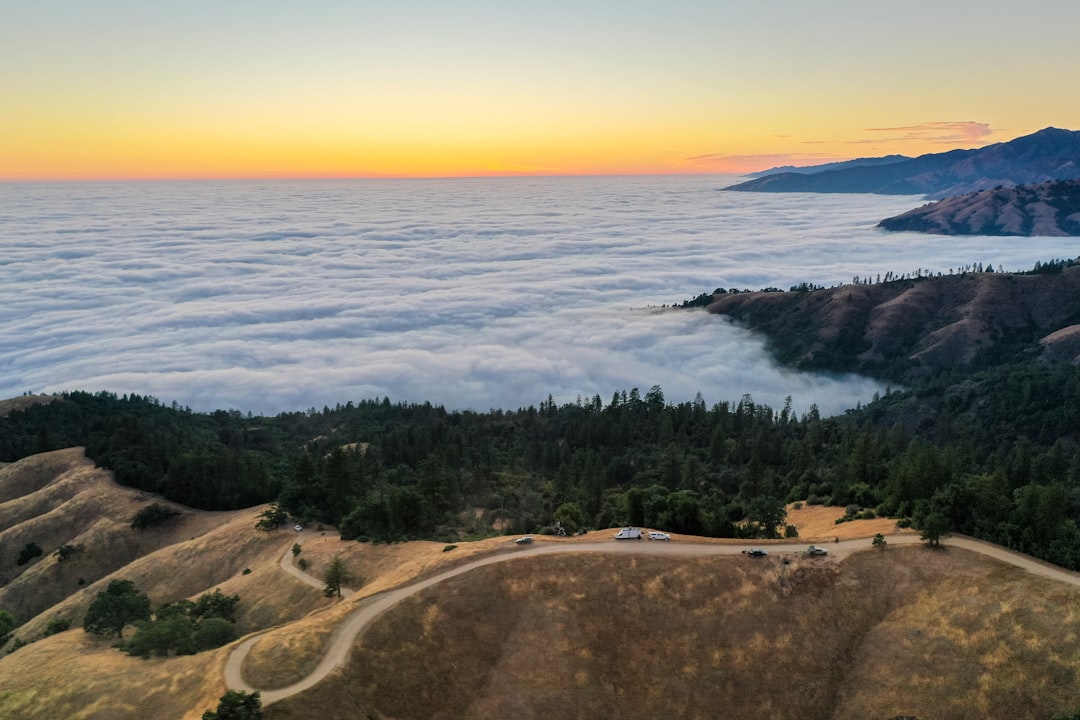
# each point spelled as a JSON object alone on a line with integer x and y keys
{"x": 298, "y": 527}
{"x": 656, "y": 535}
{"x": 628, "y": 533}
{"x": 527, "y": 540}
{"x": 815, "y": 551}
{"x": 756, "y": 552}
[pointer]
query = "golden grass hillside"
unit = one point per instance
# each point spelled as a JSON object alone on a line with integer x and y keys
{"x": 904, "y": 631}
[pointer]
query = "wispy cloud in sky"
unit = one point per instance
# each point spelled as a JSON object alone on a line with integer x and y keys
{"x": 949, "y": 133}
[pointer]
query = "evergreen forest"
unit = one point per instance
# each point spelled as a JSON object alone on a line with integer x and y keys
{"x": 992, "y": 454}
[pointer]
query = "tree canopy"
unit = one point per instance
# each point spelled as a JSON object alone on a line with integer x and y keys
{"x": 115, "y": 608}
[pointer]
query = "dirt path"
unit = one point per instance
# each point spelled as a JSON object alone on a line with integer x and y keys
{"x": 371, "y": 608}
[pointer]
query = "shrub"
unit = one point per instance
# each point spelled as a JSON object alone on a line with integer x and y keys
{"x": 152, "y": 515}
{"x": 64, "y": 552}
{"x": 448, "y": 548}
{"x": 28, "y": 553}
{"x": 57, "y": 625}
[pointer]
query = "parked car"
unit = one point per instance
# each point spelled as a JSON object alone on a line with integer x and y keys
{"x": 527, "y": 540}
{"x": 756, "y": 552}
{"x": 298, "y": 527}
{"x": 814, "y": 550}
{"x": 655, "y": 535}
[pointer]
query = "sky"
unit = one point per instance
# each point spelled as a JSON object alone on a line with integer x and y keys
{"x": 126, "y": 89}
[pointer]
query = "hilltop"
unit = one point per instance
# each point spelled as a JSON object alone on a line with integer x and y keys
{"x": 644, "y": 631}
{"x": 1049, "y": 154}
{"x": 1051, "y": 208}
{"x": 912, "y": 328}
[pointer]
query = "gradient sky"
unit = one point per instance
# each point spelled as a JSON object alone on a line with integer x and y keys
{"x": 329, "y": 88}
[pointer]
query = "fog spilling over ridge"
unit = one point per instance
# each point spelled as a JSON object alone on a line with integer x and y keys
{"x": 472, "y": 293}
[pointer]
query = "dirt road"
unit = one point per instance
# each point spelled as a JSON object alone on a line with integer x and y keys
{"x": 371, "y": 608}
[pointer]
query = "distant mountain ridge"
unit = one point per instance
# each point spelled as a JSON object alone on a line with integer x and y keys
{"x": 1048, "y": 209}
{"x": 825, "y": 167}
{"x": 1049, "y": 154}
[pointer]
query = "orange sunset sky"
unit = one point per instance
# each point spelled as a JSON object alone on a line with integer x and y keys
{"x": 328, "y": 88}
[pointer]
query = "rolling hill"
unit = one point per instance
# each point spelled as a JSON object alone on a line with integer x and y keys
{"x": 1051, "y": 208}
{"x": 910, "y": 328}
{"x": 673, "y": 630}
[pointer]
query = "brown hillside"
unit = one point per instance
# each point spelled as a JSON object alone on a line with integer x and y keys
{"x": 1046, "y": 209}
{"x": 904, "y": 329}
{"x": 22, "y": 402}
{"x": 904, "y": 631}
{"x": 641, "y": 634}
{"x": 69, "y": 501}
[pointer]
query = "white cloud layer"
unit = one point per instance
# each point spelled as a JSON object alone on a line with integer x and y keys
{"x": 472, "y": 293}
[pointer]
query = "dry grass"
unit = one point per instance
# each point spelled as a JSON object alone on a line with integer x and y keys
{"x": 904, "y": 631}
{"x": 22, "y": 402}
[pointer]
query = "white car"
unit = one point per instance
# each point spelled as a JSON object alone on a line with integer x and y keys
{"x": 655, "y": 535}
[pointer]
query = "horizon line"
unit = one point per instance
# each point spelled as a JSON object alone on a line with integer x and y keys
{"x": 272, "y": 178}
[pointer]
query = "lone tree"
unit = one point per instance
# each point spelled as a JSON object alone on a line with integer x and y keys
{"x": 335, "y": 576}
{"x": 272, "y": 518}
{"x": 934, "y": 527}
{"x": 879, "y": 541}
{"x": 236, "y": 705}
{"x": 119, "y": 605}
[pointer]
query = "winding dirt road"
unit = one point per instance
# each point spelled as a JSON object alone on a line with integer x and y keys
{"x": 371, "y": 608}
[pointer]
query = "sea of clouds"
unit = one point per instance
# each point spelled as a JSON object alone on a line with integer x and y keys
{"x": 471, "y": 293}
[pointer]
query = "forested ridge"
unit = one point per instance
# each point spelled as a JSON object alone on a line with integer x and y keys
{"x": 994, "y": 454}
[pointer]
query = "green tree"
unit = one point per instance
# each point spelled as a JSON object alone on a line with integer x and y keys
{"x": 335, "y": 576}
{"x": 570, "y": 516}
{"x": 272, "y": 517}
{"x": 236, "y": 705}
{"x": 768, "y": 513}
{"x": 215, "y": 605}
{"x": 296, "y": 549}
{"x": 7, "y": 624}
{"x": 879, "y": 541}
{"x": 115, "y": 608}
{"x": 213, "y": 632}
{"x": 934, "y": 527}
